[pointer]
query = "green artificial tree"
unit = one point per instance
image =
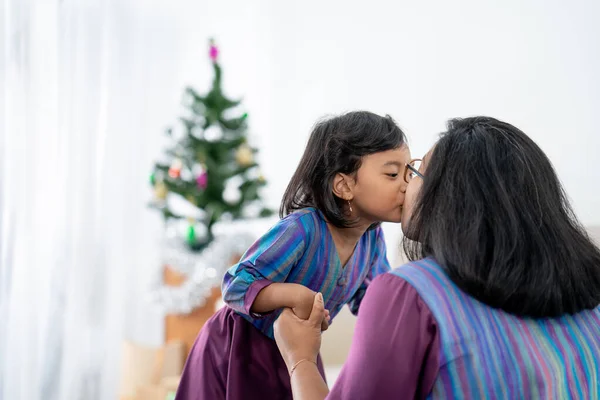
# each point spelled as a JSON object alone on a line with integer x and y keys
{"x": 210, "y": 152}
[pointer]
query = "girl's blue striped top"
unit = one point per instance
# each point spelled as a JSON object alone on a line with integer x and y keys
{"x": 300, "y": 249}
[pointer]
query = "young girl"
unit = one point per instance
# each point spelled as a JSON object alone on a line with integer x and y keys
{"x": 349, "y": 179}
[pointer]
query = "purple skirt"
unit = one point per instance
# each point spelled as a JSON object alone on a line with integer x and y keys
{"x": 233, "y": 360}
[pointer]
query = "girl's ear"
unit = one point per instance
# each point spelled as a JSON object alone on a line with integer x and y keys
{"x": 343, "y": 186}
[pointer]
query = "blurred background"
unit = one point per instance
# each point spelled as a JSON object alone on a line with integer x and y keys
{"x": 98, "y": 295}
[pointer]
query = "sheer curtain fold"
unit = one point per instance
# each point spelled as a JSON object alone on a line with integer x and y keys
{"x": 72, "y": 189}
{"x": 87, "y": 88}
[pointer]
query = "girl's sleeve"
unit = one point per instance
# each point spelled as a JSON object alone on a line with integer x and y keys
{"x": 396, "y": 346}
{"x": 379, "y": 265}
{"x": 270, "y": 259}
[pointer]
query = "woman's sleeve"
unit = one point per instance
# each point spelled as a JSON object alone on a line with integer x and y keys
{"x": 395, "y": 349}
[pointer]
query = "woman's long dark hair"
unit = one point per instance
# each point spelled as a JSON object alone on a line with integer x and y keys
{"x": 337, "y": 145}
{"x": 493, "y": 213}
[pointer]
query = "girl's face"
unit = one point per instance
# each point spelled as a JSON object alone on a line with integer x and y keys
{"x": 412, "y": 192}
{"x": 378, "y": 187}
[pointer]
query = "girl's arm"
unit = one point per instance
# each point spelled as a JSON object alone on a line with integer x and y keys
{"x": 278, "y": 295}
{"x": 256, "y": 285}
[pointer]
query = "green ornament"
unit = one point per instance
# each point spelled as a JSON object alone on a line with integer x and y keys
{"x": 191, "y": 235}
{"x": 244, "y": 116}
{"x": 152, "y": 179}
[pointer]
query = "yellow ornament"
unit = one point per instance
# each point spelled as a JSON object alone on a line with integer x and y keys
{"x": 244, "y": 156}
{"x": 160, "y": 190}
{"x": 261, "y": 179}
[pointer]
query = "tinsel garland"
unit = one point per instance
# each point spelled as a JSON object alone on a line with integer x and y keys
{"x": 204, "y": 270}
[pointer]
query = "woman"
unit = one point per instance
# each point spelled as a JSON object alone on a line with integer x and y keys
{"x": 503, "y": 301}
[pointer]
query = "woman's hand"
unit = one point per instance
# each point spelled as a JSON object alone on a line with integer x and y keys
{"x": 299, "y": 339}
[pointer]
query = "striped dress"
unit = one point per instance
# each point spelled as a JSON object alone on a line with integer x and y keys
{"x": 486, "y": 353}
{"x": 235, "y": 356}
{"x": 418, "y": 336}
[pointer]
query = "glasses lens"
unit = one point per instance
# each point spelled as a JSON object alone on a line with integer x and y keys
{"x": 416, "y": 164}
{"x": 410, "y": 172}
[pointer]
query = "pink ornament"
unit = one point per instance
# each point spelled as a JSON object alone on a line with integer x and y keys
{"x": 202, "y": 180}
{"x": 214, "y": 52}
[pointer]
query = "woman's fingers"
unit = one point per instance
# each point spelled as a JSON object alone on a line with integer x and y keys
{"x": 325, "y": 325}
{"x": 317, "y": 314}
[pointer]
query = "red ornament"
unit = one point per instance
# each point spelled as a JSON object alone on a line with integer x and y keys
{"x": 175, "y": 169}
{"x": 174, "y": 172}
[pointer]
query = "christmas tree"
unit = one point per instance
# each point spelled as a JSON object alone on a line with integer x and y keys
{"x": 209, "y": 164}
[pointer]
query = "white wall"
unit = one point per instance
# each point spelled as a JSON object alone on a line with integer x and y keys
{"x": 533, "y": 63}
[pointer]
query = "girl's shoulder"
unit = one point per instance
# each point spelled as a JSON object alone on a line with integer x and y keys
{"x": 374, "y": 235}
{"x": 308, "y": 219}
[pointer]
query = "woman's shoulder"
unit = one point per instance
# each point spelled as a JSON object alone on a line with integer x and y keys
{"x": 420, "y": 271}
{"x": 419, "y": 279}
{"x": 395, "y": 282}
{"x": 399, "y": 332}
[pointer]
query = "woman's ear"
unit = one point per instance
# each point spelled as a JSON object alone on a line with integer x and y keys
{"x": 343, "y": 186}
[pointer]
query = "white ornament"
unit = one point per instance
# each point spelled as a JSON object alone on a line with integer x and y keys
{"x": 232, "y": 193}
{"x": 213, "y": 132}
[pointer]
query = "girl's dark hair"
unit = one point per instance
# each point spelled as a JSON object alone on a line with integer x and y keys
{"x": 337, "y": 145}
{"x": 493, "y": 213}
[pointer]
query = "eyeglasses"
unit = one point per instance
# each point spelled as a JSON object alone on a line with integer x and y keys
{"x": 412, "y": 170}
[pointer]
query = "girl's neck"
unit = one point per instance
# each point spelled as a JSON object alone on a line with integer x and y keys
{"x": 348, "y": 236}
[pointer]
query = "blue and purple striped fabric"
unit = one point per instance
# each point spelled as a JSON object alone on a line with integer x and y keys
{"x": 487, "y": 353}
{"x": 300, "y": 249}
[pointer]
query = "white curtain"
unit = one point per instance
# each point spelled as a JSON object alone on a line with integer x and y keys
{"x": 74, "y": 229}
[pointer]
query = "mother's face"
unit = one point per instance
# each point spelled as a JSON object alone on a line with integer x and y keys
{"x": 412, "y": 192}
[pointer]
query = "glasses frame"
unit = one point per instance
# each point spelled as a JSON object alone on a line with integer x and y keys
{"x": 410, "y": 167}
